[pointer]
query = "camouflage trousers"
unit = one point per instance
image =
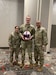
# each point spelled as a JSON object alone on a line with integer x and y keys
{"x": 26, "y": 46}
{"x": 39, "y": 55}
{"x": 16, "y": 51}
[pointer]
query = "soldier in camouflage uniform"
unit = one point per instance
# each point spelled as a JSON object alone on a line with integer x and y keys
{"x": 27, "y": 34}
{"x": 40, "y": 44}
{"x": 14, "y": 44}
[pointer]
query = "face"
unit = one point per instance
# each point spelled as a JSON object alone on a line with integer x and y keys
{"x": 16, "y": 29}
{"x": 38, "y": 24}
{"x": 28, "y": 20}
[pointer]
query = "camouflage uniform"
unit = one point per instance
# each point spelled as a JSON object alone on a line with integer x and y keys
{"x": 40, "y": 40}
{"x": 27, "y": 44}
{"x": 14, "y": 44}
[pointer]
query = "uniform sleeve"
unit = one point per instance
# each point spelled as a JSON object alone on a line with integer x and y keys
{"x": 21, "y": 29}
{"x": 45, "y": 40}
{"x": 10, "y": 41}
{"x": 33, "y": 32}
{"x": 20, "y": 37}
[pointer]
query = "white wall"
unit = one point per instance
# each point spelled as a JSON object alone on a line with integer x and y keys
{"x": 46, "y": 18}
{"x": 54, "y": 14}
{"x": 49, "y": 24}
{"x": 45, "y": 12}
{"x": 11, "y": 14}
{"x": 30, "y": 8}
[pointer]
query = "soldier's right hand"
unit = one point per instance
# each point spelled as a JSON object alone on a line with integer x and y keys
{"x": 23, "y": 38}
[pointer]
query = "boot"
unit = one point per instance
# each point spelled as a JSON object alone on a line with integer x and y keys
{"x": 20, "y": 65}
{"x": 40, "y": 69}
{"x": 11, "y": 64}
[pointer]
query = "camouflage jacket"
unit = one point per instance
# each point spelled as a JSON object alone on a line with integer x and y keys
{"x": 30, "y": 28}
{"x": 41, "y": 36}
{"x": 14, "y": 40}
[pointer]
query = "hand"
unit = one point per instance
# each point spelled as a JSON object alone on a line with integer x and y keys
{"x": 44, "y": 47}
{"x": 22, "y": 37}
{"x": 31, "y": 37}
{"x": 27, "y": 39}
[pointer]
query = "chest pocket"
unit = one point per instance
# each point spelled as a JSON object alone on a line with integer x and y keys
{"x": 38, "y": 34}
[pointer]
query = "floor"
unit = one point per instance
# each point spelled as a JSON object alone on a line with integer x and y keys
{"x": 49, "y": 63}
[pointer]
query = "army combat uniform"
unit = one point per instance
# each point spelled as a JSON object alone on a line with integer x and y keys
{"x": 40, "y": 41}
{"x": 27, "y": 44}
{"x": 14, "y": 44}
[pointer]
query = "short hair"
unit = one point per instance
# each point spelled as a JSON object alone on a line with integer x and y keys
{"x": 28, "y": 17}
{"x": 38, "y": 22}
{"x": 16, "y": 26}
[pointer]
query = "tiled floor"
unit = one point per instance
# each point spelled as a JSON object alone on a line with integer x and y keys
{"x": 49, "y": 63}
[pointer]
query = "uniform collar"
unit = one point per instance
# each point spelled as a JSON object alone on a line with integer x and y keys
{"x": 27, "y": 25}
{"x": 38, "y": 28}
{"x": 16, "y": 32}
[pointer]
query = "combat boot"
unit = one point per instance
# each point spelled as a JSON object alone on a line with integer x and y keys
{"x": 34, "y": 65}
{"x": 40, "y": 69}
{"x": 31, "y": 65}
{"x": 26, "y": 66}
{"x": 11, "y": 64}
{"x": 15, "y": 63}
{"x": 20, "y": 65}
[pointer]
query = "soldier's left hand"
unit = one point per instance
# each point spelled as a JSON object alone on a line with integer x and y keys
{"x": 30, "y": 38}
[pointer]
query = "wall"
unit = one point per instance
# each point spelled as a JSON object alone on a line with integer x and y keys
{"x": 11, "y": 14}
{"x": 53, "y": 27}
{"x": 45, "y": 12}
{"x": 46, "y": 18}
{"x": 54, "y": 14}
{"x": 30, "y": 8}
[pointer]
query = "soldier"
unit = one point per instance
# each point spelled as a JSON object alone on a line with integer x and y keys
{"x": 27, "y": 34}
{"x": 14, "y": 44}
{"x": 40, "y": 44}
